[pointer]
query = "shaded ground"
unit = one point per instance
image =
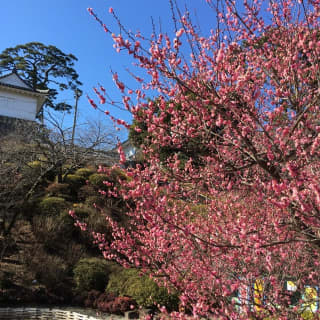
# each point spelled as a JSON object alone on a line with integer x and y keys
{"x": 18, "y": 285}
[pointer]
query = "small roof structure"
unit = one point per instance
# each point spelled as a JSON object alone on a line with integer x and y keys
{"x": 13, "y": 83}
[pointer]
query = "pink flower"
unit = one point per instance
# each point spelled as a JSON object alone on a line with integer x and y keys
{"x": 94, "y": 106}
{"x": 110, "y": 10}
{"x": 179, "y": 33}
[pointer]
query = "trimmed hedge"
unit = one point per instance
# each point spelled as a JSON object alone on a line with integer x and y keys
{"x": 117, "y": 174}
{"x": 35, "y": 164}
{"x": 85, "y": 172}
{"x": 58, "y": 190}
{"x": 68, "y": 221}
{"x": 91, "y": 274}
{"x": 52, "y": 205}
{"x": 97, "y": 180}
{"x": 142, "y": 289}
{"x": 75, "y": 180}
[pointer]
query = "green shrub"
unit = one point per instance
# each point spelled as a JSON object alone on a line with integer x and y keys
{"x": 114, "y": 176}
{"x": 91, "y": 274}
{"x": 91, "y": 200}
{"x": 70, "y": 232}
{"x": 117, "y": 174}
{"x": 74, "y": 180}
{"x": 97, "y": 180}
{"x": 81, "y": 212}
{"x": 52, "y": 205}
{"x": 35, "y": 164}
{"x": 39, "y": 166}
{"x": 68, "y": 222}
{"x": 85, "y": 172}
{"x": 58, "y": 190}
{"x": 142, "y": 289}
{"x": 86, "y": 191}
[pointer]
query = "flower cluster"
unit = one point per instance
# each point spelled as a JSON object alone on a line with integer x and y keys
{"x": 236, "y": 199}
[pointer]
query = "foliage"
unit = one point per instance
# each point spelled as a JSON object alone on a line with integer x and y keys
{"x": 128, "y": 282}
{"x": 35, "y": 164}
{"x": 117, "y": 174}
{"x": 92, "y": 297}
{"x": 117, "y": 306}
{"x": 91, "y": 274}
{"x": 244, "y": 127}
{"x": 52, "y": 205}
{"x": 85, "y": 172}
{"x": 94, "y": 200}
{"x": 35, "y": 227}
{"x": 189, "y": 148}
{"x": 75, "y": 181}
{"x": 97, "y": 180}
{"x": 67, "y": 223}
{"x": 61, "y": 190}
{"x": 48, "y": 269}
{"x": 49, "y": 232}
{"x": 43, "y": 67}
{"x": 109, "y": 177}
{"x": 19, "y": 181}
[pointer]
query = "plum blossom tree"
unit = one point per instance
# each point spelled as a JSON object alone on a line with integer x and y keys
{"x": 228, "y": 231}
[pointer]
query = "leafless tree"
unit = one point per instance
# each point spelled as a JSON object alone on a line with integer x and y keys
{"x": 29, "y": 152}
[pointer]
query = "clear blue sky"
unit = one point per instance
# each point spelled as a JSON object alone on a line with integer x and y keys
{"x": 67, "y": 25}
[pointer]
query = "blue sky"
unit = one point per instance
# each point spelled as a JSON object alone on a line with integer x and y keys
{"x": 67, "y": 25}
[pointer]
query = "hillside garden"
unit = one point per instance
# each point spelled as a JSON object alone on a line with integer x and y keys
{"x": 46, "y": 259}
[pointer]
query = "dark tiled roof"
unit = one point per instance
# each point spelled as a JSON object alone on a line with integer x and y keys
{"x": 29, "y": 89}
{"x": 21, "y": 88}
{"x": 16, "y": 73}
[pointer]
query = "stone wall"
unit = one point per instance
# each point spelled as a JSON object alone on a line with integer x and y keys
{"x": 9, "y": 125}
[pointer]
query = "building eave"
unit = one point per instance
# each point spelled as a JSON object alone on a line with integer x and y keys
{"x": 40, "y": 96}
{"x": 13, "y": 88}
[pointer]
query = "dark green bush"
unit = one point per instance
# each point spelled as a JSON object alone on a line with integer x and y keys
{"x": 81, "y": 213}
{"x": 117, "y": 174}
{"x": 91, "y": 274}
{"x": 97, "y": 180}
{"x": 67, "y": 222}
{"x": 58, "y": 190}
{"x": 142, "y": 289}
{"x": 95, "y": 200}
{"x": 87, "y": 191}
{"x": 85, "y": 172}
{"x": 35, "y": 164}
{"x": 75, "y": 181}
{"x": 52, "y": 205}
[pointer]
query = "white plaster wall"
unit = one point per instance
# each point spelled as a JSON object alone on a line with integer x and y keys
{"x": 17, "y": 105}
